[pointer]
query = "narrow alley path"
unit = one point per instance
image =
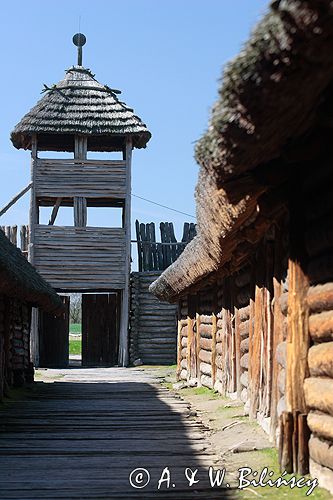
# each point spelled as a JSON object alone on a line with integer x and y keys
{"x": 80, "y": 437}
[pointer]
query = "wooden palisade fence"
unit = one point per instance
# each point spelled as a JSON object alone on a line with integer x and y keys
{"x": 153, "y": 323}
{"x": 157, "y": 256}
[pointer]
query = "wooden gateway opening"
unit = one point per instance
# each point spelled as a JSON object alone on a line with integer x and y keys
{"x": 100, "y": 329}
{"x": 100, "y": 318}
{"x": 53, "y": 338}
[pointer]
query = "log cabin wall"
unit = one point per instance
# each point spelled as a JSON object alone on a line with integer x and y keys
{"x": 231, "y": 334}
{"x": 15, "y": 366}
{"x": 319, "y": 385}
{"x": 153, "y": 324}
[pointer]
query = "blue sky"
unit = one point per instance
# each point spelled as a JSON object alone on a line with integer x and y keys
{"x": 165, "y": 55}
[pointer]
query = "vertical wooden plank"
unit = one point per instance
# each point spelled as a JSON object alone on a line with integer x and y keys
{"x": 303, "y": 445}
{"x": 80, "y": 147}
{"x": 80, "y": 211}
{"x": 139, "y": 245}
{"x": 254, "y": 342}
{"x": 33, "y": 205}
{"x": 189, "y": 346}
{"x": 214, "y": 330}
{"x": 269, "y": 251}
{"x": 123, "y": 341}
{"x": 277, "y": 330}
{"x": 13, "y": 236}
{"x": 198, "y": 374}
{"x": 295, "y": 440}
{"x": 298, "y": 340}
{"x": 179, "y": 347}
{"x": 33, "y": 217}
{"x": 287, "y": 448}
{"x": 238, "y": 352}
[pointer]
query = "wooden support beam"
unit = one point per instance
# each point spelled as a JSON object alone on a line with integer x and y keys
{"x": 33, "y": 220}
{"x": 15, "y": 199}
{"x": 80, "y": 211}
{"x": 80, "y": 147}
{"x": 124, "y": 321}
{"x": 55, "y": 211}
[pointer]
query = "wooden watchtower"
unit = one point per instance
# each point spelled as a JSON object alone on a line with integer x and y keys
{"x": 80, "y": 115}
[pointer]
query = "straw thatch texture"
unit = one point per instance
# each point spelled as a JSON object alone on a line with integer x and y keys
{"x": 19, "y": 279}
{"x": 79, "y": 104}
{"x": 271, "y": 90}
{"x": 269, "y": 97}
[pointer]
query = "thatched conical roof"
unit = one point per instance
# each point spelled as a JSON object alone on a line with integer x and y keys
{"x": 77, "y": 105}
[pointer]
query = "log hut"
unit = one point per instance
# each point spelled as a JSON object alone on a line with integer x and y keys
{"x": 80, "y": 116}
{"x": 255, "y": 286}
{"x": 21, "y": 288}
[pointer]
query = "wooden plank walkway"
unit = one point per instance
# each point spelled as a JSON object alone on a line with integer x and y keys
{"x": 82, "y": 435}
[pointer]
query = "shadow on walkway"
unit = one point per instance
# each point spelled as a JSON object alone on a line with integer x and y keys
{"x": 74, "y": 440}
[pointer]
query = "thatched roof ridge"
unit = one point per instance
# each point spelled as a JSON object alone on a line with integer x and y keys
{"x": 19, "y": 279}
{"x": 79, "y": 104}
{"x": 269, "y": 97}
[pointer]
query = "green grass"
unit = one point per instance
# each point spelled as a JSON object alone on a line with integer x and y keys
{"x": 75, "y": 328}
{"x": 268, "y": 457}
{"x": 75, "y": 346}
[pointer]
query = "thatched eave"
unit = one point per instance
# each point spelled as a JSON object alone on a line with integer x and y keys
{"x": 19, "y": 279}
{"x": 269, "y": 99}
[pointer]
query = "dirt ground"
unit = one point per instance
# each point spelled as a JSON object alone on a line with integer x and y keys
{"x": 239, "y": 441}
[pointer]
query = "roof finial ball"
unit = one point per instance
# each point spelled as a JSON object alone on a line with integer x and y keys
{"x": 79, "y": 40}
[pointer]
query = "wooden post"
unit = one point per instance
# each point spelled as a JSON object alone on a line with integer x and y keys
{"x": 190, "y": 336}
{"x": 277, "y": 332}
{"x": 33, "y": 205}
{"x": 80, "y": 147}
{"x": 238, "y": 353}
{"x": 179, "y": 347}
{"x": 287, "y": 447}
{"x": 255, "y": 350}
{"x": 198, "y": 374}
{"x": 80, "y": 211}
{"x": 298, "y": 338}
{"x": 33, "y": 220}
{"x": 124, "y": 321}
{"x": 214, "y": 331}
{"x": 303, "y": 445}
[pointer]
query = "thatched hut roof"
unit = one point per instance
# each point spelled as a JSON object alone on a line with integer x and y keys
{"x": 19, "y": 279}
{"x": 269, "y": 98}
{"x": 77, "y": 105}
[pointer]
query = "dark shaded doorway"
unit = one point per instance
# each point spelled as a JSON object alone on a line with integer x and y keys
{"x": 100, "y": 329}
{"x": 53, "y": 338}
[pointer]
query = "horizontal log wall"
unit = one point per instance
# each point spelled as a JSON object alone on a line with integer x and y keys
{"x": 319, "y": 385}
{"x": 80, "y": 258}
{"x": 153, "y": 324}
{"x": 87, "y": 178}
{"x": 15, "y": 366}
